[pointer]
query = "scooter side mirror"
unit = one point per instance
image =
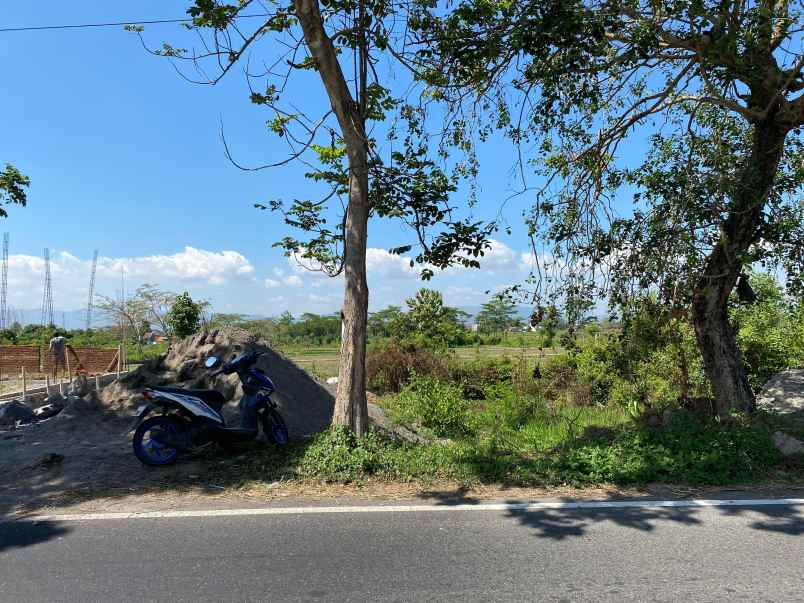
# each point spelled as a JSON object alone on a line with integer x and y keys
{"x": 211, "y": 361}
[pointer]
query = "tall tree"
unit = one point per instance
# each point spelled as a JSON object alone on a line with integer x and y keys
{"x": 184, "y": 317}
{"x": 322, "y": 37}
{"x": 586, "y": 75}
{"x": 429, "y": 318}
{"x": 497, "y": 315}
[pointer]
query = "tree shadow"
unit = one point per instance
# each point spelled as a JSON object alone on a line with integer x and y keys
{"x": 562, "y": 524}
{"x": 18, "y": 534}
{"x": 783, "y": 520}
{"x": 567, "y": 523}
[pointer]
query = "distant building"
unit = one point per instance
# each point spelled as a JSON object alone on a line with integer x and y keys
{"x": 154, "y": 337}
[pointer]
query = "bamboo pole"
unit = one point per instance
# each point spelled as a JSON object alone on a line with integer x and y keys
{"x": 119, "y": 359}
{"x": 67, "y": 363}
{"x": 97, "y": 382}
{"x": 24, "y": 385}
{"x": 47, "y": 385}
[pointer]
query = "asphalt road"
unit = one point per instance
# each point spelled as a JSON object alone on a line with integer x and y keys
{"x": 648, "y": 554}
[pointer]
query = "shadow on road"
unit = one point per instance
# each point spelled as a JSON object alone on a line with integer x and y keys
{"x": 24, "y": 533}
{"x": 561, "y": 524}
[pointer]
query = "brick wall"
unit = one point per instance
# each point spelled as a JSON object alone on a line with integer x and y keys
{"x": 13, "y": 357}
{"x": 36, "y": 359}
{"x": 94, "y": 360}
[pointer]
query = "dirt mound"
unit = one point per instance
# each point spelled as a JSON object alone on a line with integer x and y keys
{"x": 306, "y": 405}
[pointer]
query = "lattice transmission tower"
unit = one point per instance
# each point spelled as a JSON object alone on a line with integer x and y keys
{"x": 47, "y": 297}
{"x": 4, "y": 286}
{"x": 90, "y": 301}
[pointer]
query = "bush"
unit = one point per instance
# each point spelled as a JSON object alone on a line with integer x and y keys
{"x": 391, "y": 365}
{"x": 507, "y": 408}
{"x": 434, "y": 404}
{"x": 770, "y": 331}
{"x": 338, "y": 455}
{"x": 474, "y": 377}
{"x": 687, "y": 450}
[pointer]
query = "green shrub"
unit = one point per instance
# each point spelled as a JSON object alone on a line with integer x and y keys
{"x": 338, "y": 455}
{"x": 687, "y": 450}
{"x": 508, "y": 409}
{"x": 434, "y": 404}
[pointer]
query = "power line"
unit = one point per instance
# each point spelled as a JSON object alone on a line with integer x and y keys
{"x": 117, "y": 24}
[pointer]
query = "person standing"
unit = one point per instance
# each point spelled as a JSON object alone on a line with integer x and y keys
{"x": 58, "y": 350}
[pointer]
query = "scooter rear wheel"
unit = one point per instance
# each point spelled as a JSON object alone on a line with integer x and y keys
{"x": 274, "y": 427}
{"x": 147, "y": 449}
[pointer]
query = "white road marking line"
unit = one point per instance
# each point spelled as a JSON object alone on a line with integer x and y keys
{"x": 510, "y": 506}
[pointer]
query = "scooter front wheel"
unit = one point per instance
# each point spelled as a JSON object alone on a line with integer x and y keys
{"x": 274, "y": 428}
{"x": 147, "y": 449}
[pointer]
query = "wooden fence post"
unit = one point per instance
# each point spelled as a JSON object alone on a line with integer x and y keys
{"x": 69, "y": 373}
{"x": 24, "y": 385}
{"x": 119, "y": 359}
{"x": 47, "y": 385}
{"x": 97, "y": 382}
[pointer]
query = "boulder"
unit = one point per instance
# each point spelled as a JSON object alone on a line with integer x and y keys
{"x": 75, "y": 406}
{"x": 14, "y": 412}
{"x": 787, "y": 444}
{"x": 80, "y": 385}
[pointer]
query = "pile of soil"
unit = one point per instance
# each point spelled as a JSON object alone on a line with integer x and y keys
{"x": 304, "y": 403}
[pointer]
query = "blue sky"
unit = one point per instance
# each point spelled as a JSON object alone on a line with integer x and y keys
{"x": 125, "y": 157}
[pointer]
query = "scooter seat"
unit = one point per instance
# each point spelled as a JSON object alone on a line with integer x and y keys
{"x": 211, "y": 397}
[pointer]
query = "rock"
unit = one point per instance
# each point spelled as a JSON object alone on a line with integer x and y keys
{"x": 332, "y": 381}
{"x": 784, "y": 393}
{"x": 186, "y": 370}
{"x": 47, "y": 411}
{"x": 15, "y": 411}
{"x": 787, "y": 444}
{"x": 75, "y": 406}
{"x": 80, "y": 385}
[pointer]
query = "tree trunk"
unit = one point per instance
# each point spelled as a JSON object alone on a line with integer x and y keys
{"x": 351, "y": 408}
{"x": 716, "y": 337}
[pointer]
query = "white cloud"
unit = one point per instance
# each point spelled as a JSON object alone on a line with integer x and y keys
{"x": 271, "y": 283}
{"x": 70, "y": 274}
{"x": 213, "y": 267}
{"x": 294, "y": 281}
{"x": 379, "y": 262}
{"x": 499, "y": 257}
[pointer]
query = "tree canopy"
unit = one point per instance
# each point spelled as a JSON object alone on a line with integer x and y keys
{"x": 716, "y": 84}
{"x": 12, "y": 188}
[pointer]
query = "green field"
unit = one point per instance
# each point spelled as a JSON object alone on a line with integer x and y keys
{"x": 322, "y": 362}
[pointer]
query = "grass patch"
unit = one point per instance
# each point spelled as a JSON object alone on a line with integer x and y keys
{"x": 609, "y": 450}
